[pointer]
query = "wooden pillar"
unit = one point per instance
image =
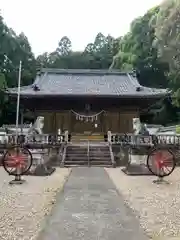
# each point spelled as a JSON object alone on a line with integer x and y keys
{"x": 126, "y": 125}
{"x": 107, "y": 122}
{"x": 48, "y": 122}
{"x": 70, "y": 121}
{"x": 102, "y": 122}
{"x": 54, "y": 130}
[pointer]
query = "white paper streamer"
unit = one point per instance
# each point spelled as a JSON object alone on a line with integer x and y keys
{"x": 87, "y": 118}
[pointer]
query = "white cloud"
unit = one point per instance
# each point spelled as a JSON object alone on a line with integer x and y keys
{"x": 44, "y": 22}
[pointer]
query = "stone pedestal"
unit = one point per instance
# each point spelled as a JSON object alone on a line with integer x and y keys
{"x": 137, "y": 163}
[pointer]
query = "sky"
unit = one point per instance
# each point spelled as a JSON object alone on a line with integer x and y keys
{"x": 45, "y": 22}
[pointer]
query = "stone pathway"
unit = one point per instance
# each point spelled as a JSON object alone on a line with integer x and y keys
{"x": 89, "y": 209}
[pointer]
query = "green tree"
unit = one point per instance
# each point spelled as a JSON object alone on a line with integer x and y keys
{"x": 100, "y": 53}
{"x": 96, "y": 55}
{"x": 167, "y": 42}
{"x": 64, "y": 46}
{"x": 13, "y": 48}
{"x": 137, "y": 52}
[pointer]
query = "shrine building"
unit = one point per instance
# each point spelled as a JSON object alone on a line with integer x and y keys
{"x": 86, "y": 101}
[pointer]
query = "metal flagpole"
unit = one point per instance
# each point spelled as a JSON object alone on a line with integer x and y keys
{"x": 18, "y": 179}
{"x": 18, "y": 100}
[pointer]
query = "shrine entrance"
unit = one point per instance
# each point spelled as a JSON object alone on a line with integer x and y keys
{"x": 87, "y": 124}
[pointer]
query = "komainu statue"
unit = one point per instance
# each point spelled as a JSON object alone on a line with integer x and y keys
{"x": 139, "y": 128}
{"x": 36, "y": 129}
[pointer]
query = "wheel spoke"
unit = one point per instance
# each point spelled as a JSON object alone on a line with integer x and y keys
{"x": 17, "y": 161}
{"x": 161, "y": 162}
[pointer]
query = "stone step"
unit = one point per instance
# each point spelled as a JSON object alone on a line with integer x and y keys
{"x": 76, "y": 158}
{"x": 100, "y": 163}
{"x": 88, "y": 137}
{"x": 90, "y": 153}
{"x": 93, "y": 138}
{"x": 84, "y": 163}
{"x": 78, "y": 162}
{"x": 104, "y": 166}
{"x": 99, "y": 155}
{"x": 86, "y": 157}
{"x": 99, "y": 159}
{"x": 77, "y": 152}
{"x": 99, "y": 149}
{"x": 102, "y": 147}
{"x": 98, "y": 152}
{"x": 86, "y": 150}
{"x": 74, "y": 140}
{"x": 76, "y": 148}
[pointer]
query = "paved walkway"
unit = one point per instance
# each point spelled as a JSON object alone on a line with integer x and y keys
{"x": 91, "y": 209}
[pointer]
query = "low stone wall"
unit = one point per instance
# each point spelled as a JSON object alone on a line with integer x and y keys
{"x": 121, "y": 154}
{"x": 45, "y": 163}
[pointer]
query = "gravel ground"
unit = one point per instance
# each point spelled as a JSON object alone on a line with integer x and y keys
{"x": 23, "y": 207}
{"x": 157, "y": 206}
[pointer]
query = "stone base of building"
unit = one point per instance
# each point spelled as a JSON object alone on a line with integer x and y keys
{"x": 136, "y": 170}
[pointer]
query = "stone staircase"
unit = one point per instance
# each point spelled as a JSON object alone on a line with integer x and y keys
{"x": 93, "y": 138}
{"x": 99, "y": 155}
{"x": 84, "y": 154}
{"x": 76, "y": 155}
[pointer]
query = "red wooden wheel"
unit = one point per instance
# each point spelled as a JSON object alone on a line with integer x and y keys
{"x": 161, "y": 162}
{"x": 17, "y": 161}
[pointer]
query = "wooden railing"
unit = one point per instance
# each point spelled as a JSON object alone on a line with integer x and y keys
{"x": 35, "y": 139}
{"x": 63, "y": 155}
{"x": 112, "y": 155}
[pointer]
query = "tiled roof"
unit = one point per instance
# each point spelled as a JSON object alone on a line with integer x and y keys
{"x": 56, "y": 82}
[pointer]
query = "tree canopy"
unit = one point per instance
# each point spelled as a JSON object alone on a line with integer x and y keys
{"x": 167, "y": 42}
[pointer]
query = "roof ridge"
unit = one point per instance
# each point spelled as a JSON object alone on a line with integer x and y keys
{"x": 83, "y": 71}
{"x": 39, "y": 79}
{"x": 134, "y": 81}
